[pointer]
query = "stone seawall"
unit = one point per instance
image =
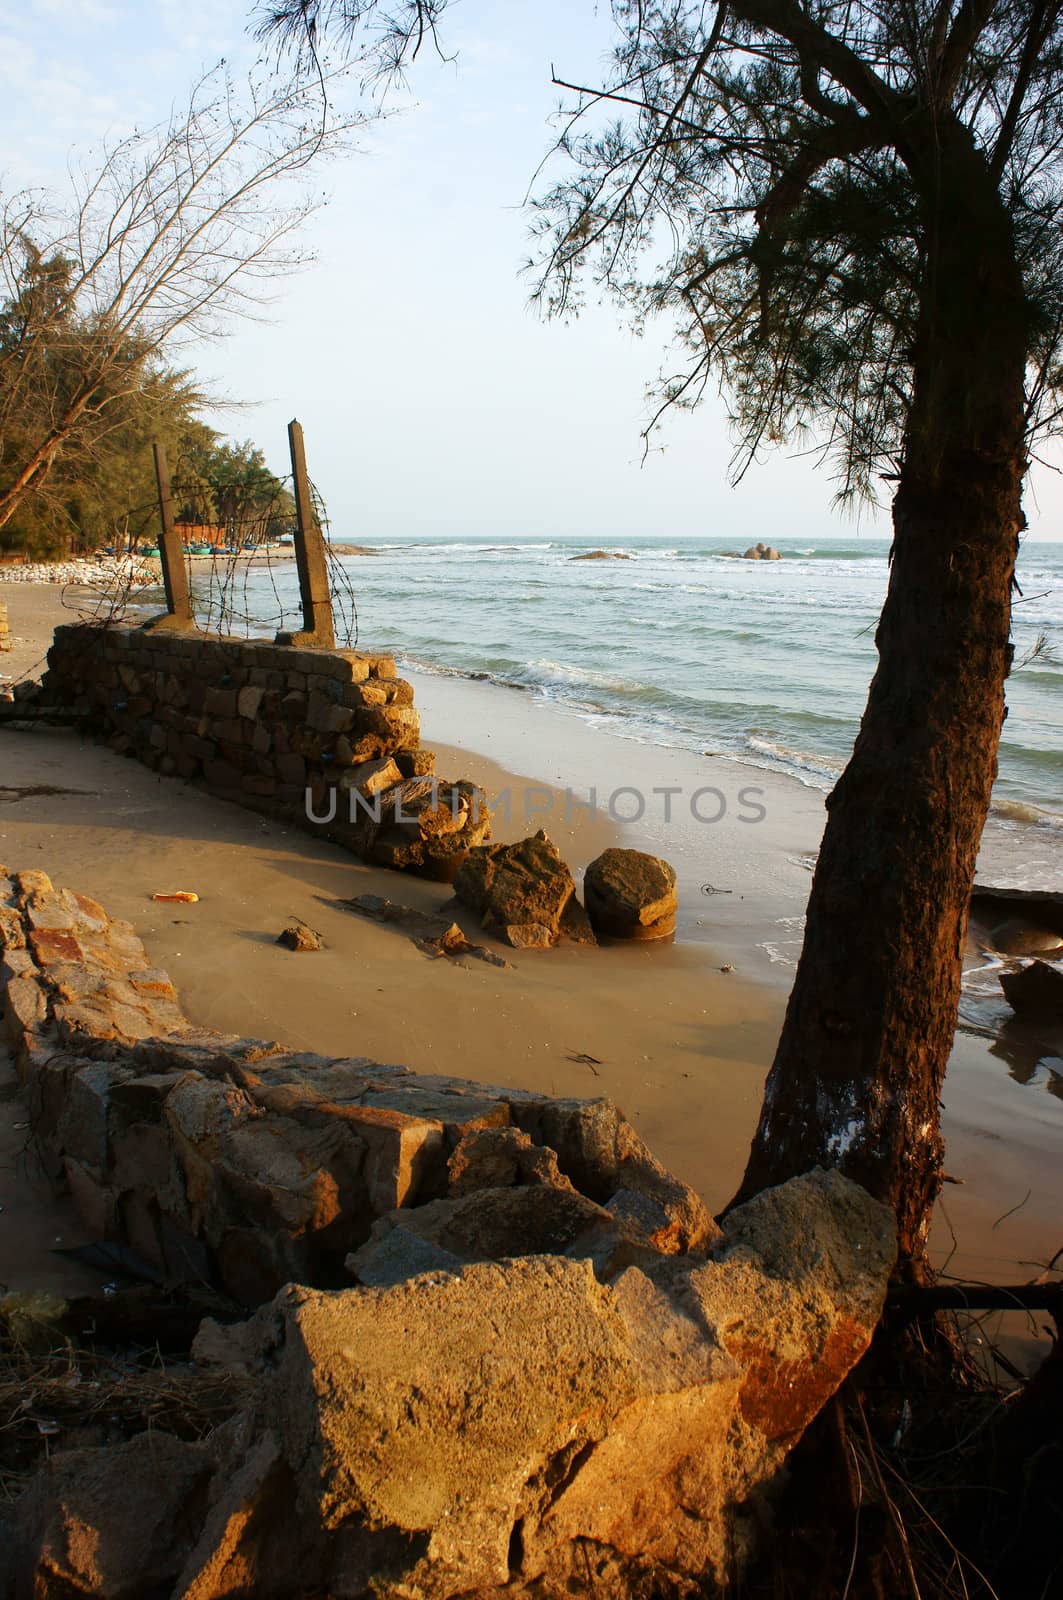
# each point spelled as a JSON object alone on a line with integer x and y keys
{"x": 234, "y": 1161}
{"x": 275, "y": 728}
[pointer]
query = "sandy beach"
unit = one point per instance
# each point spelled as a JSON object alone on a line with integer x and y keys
{"x": 681, "y": 1044}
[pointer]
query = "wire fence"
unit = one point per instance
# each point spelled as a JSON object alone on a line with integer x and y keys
{"x": 239, "y": 594}
{"x": 242, "y": 588}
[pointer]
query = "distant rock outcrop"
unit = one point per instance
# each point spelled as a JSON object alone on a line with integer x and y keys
{"x": 761, "y": 552}
{"x": 602, "y": 555}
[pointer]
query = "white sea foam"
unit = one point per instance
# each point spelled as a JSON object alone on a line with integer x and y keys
{"x": 1020, "y": 811}
{"x": 820, "y": 765}
{"x": 766, "y": 665}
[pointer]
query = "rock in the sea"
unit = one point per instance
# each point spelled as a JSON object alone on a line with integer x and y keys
{"x": 602, "y": 555}
{"x": 1035, "y": 991}
{"x": 761, "y": 552}
{"x": 297, "y": 936}
{"x": 524, "y": 891}
{"x": 630, "y": 895}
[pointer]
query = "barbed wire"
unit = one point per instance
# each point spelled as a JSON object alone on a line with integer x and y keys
{"x": 240, "y": 590}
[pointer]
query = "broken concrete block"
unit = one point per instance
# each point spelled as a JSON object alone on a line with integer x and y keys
{"x": 402, "y": 1152}
{"x": 495, "y": 1158}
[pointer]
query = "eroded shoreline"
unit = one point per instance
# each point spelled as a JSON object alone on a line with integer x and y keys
{"x": 682, "y": 1046}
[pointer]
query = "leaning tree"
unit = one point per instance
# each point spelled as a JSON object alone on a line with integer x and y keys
{"x": 160, "y": 239}
{"x": 854, "y": 213}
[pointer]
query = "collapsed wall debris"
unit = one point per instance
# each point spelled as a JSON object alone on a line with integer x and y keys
{"x": 498, "y": 1349}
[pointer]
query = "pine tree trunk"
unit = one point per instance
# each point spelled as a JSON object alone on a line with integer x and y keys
{"x": 857, "y": 1078}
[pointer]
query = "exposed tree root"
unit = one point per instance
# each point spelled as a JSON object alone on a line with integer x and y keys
{"x": 924, "y": 1480}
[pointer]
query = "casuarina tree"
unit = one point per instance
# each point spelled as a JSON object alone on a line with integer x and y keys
{"x": 853, "y": 213}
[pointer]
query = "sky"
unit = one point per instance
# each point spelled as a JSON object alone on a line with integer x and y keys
{"x": 434, "y": 401}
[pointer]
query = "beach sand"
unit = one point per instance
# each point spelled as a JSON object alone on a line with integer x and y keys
{"x": 681, "y": 1045}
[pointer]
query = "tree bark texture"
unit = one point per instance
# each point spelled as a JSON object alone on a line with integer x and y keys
{"x": 857, "y": 1079}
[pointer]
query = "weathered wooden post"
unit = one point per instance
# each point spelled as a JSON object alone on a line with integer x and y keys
{"x": 174, "y": 574}
{"x": 310, "y": 558}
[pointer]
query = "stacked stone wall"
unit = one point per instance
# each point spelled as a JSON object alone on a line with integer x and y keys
{"x": 234, "y": 1161}
{"x": 328, "y": 739}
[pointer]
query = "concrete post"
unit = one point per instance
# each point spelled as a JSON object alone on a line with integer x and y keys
{"x": 174, "y": 572}
{"x": 310, "y": 558}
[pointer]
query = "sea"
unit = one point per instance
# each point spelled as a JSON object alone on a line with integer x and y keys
{"x": 675, "y": 642}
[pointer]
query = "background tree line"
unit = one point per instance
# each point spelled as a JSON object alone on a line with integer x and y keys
{"x": 161, "y": 240}
{"x": 100, "y": 490}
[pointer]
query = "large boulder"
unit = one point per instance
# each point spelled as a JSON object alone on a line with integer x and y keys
{"x": 631, "y": 895}
{"x": 524, "y": 892}
{"x": 511, "y": 1425}
{"x": 485, "y": 1427}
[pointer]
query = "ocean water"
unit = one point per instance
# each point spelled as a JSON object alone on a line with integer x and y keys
{"x": 766, "y": 663}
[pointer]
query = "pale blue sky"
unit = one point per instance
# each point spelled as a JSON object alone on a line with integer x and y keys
{"x": 434, "y": 401}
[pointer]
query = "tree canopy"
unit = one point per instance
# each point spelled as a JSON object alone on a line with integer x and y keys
{"x": 107, "y": 495}
{"x": 100, "y": 488}
{"x": 764, "y": 172}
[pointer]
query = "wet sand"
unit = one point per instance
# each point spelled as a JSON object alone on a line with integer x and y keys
{"x": 682, "y": 1046}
